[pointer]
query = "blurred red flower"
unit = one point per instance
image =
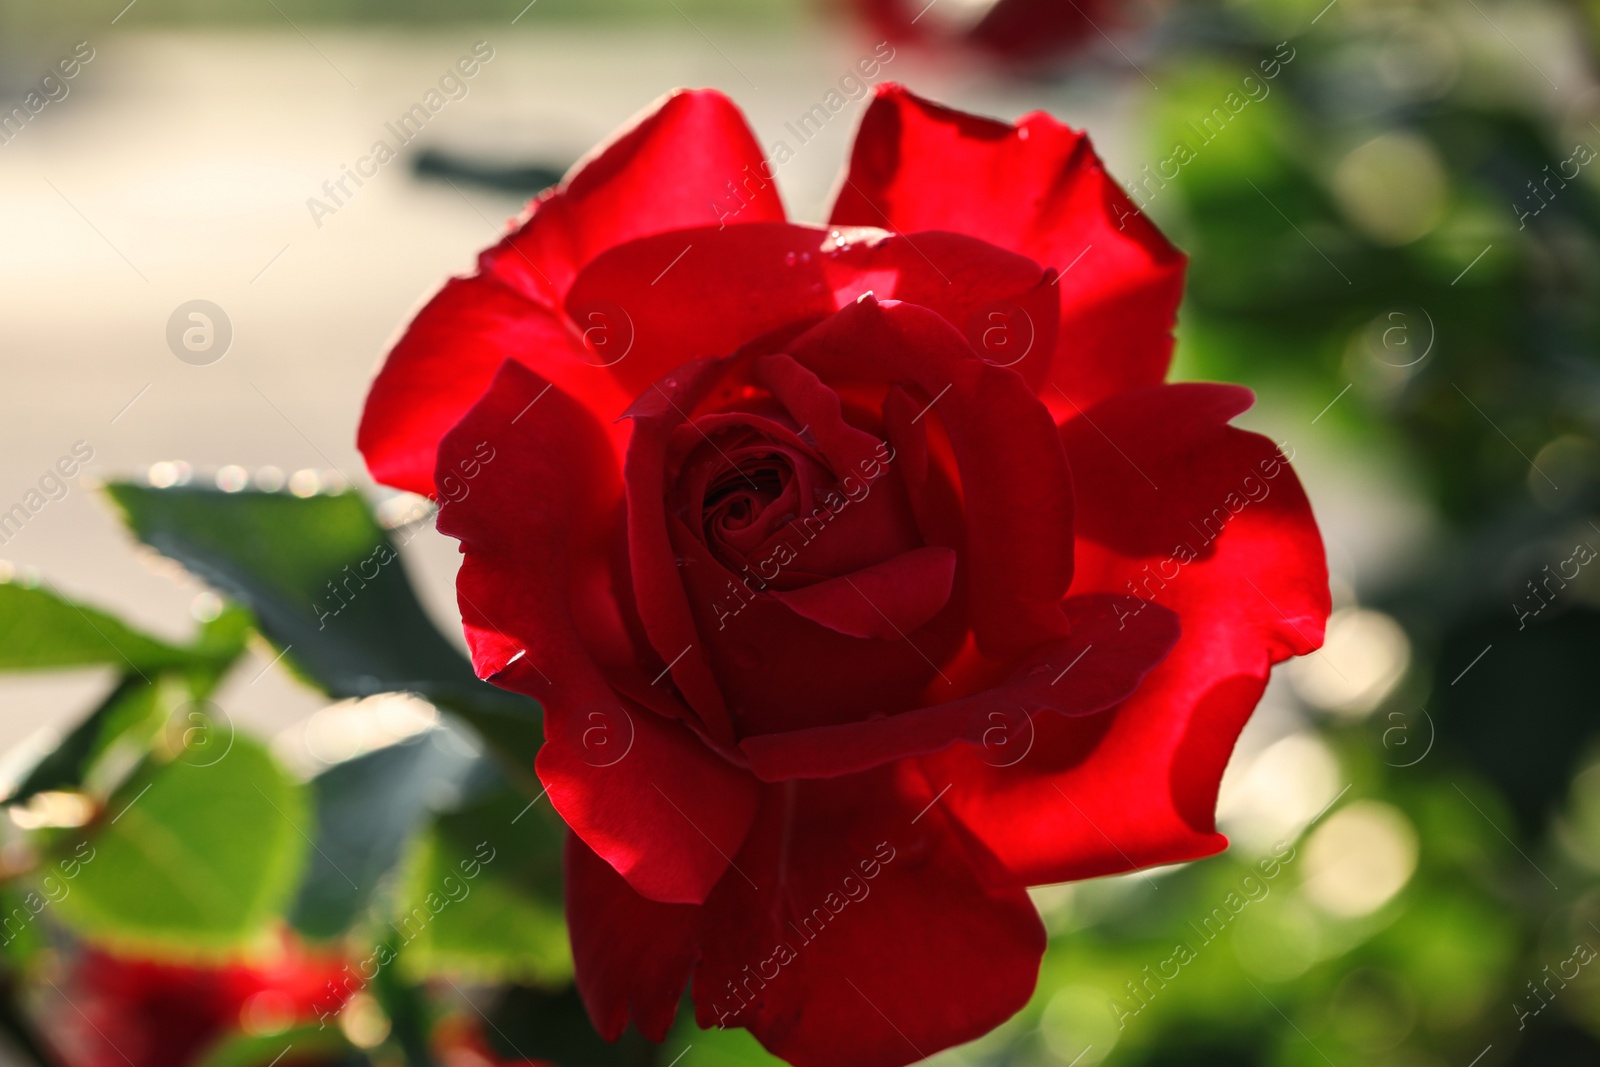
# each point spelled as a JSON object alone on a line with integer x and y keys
{"x": 1021, "y": 29}
{"x": 868, "y": 574}
{"x": 115, "y": 1011}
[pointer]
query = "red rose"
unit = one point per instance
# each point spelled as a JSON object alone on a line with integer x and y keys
{"x": 114, "y": 1011}
{"x": 1017, "y": 29}
{"x": 866, "y": 576}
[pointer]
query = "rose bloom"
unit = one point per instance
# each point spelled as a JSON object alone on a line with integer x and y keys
{"x": 116, "y": 1011}
{"x": 867, "y": 573}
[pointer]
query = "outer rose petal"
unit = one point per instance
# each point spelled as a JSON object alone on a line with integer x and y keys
{"x": 703, "y": 293}
{"x": 1139, "y": 786}
{"x": 1036, "y": 188}
{"x": 669, "y": 170}
{"x": 632, "y": 955}
{"x": 445, "y": 359}
{"x": 882, "y": 917}
{"x": 443, "y": 363}
{"x": 536, "y": 525}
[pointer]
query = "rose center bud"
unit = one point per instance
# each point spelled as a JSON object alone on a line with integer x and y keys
{"x": 753, "y": 488}
{"x": 804, "y": 565}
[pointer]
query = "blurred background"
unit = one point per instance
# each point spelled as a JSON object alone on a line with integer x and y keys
{"x": 1394, "y": 232}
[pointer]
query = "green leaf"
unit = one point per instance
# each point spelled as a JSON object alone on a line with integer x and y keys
{"x": 135, "y": 709}
{"x": 20, "y": 935}
{"x": 326, "y": 584}
{"x": 41, "y": 630}
{"x": 192, "y": 860}
{"x": 325, "y": 1046}
{"x": 220, "y": 644}
{"x": 367, "y": 809}
{"x": 482, "y": 894}
{"x": 733, "y": 1047}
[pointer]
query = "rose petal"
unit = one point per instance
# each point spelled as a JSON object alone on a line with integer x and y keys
{"x": 704, "y": 293}
{"x": 1115, "y": 642}
{"x": 930, "y": 486}
{"x": 816, "y": 407}
{"x": 849, "y": 917}
{"x": 884, "y": 601}
{"x": 1038, "y": 189}
{"x": 536, "y": 527}
{"x": 667, "y": 814}
{"x": 687, "y": 160}
{"x": 610, "y": 924}
{"x": 1138, "y": 786}
{"x": 444, "y": 362}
